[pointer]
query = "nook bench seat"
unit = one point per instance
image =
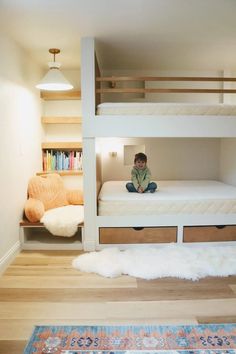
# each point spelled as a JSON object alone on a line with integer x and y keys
{"x": 35, "y": 236}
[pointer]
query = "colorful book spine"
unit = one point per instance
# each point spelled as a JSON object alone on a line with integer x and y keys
{"x": 59, "y": 160}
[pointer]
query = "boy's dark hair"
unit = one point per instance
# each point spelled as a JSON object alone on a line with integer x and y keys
{"x": 140, "y": 156}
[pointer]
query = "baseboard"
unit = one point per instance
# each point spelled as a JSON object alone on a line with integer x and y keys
{"x": 9, "y": 256}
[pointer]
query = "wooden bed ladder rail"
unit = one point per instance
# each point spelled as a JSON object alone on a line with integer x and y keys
{"x": 112, "y": 80}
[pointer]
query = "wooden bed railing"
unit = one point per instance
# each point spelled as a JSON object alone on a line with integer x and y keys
{"x": 114, "y": 79}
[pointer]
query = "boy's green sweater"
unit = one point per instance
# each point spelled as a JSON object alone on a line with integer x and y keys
{"x": 140, "y": 177}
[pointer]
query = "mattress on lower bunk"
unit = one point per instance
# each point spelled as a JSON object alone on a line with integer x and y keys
{"x": 148, "y": 108}
{"x": 172, "y": 197}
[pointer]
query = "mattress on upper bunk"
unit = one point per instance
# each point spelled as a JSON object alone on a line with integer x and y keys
{"x": 148, "y": 108}
{"x": 172, "y": 197}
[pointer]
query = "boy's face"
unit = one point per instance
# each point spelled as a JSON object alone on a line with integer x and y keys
{"x": 140, "y": 164}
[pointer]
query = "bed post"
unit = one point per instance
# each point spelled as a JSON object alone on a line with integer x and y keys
{"x": 89, "y": 156}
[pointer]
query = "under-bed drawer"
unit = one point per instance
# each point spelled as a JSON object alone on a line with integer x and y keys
{"x": 209, "y": 233}
{"x": 120, "y": 235}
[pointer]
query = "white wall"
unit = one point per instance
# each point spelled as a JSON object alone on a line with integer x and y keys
{"x": 20, "y": 137}
{"x": 228, "y": 161}
{"x": 168, "y": 158}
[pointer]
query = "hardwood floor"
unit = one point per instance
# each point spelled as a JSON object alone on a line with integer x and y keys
{"x": 41, "y": 287}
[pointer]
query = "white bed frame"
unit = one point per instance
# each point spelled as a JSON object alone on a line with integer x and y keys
{"x": 113, "y": 126}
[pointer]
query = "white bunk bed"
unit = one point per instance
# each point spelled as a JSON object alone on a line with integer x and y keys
{"x": 103, "y": 228}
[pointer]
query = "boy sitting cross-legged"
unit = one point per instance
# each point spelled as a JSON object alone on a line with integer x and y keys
{"x": 141, "y": 176}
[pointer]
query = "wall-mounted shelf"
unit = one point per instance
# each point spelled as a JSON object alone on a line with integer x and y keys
{"x": 62, "y": 145}
{"x": 61, "y": 173}
{"x": 64, "y": 158}
{"x": 61, "y": 120}
{"x": 61, "y": 95}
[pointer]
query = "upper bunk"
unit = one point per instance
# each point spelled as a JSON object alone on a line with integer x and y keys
{"x": 145, "y": 116}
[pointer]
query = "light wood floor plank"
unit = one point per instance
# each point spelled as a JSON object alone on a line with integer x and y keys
{"x": 57, "y": 270}
{"x": 25, "y": 261}
{"x": 210, "y": 281}
{"x": 62, "y": 282}
{"x": 9, "y": 346}
{"x": 49, "y": 253}
{"x": 176, "y": 309}
{"x": 108, "y": 294}
{"x": 119, "y": 310}
{"x": 183, "y": 289}
{"x": 216, "y": 319}
{"x": 27, "y": 258}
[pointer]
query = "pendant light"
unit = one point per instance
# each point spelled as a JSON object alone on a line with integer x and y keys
{"x": 54, "y": 79}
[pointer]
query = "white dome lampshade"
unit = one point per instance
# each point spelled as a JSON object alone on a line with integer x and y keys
{"x": 54, "y": 79}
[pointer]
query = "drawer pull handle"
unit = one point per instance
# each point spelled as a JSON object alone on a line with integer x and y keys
{"x": 220, "y": 226}
{"x": 138, "y": 228}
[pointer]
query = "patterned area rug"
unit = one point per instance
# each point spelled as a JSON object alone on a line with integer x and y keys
{"x": 199, "y": 339}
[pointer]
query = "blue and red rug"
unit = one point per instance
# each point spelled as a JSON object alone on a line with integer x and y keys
{"x": 199, "y": 339}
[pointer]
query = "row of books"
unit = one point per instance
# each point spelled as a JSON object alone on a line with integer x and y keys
{"x": 54, "y": 160}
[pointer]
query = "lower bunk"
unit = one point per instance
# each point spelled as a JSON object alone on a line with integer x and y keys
{"x": 180, "y": 211}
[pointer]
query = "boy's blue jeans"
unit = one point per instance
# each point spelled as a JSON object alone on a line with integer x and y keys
{"x": 152, "y": 186}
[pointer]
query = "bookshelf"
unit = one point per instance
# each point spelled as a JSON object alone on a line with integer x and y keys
{"x": 61, "y": 173}
{"x": 61, "y": 95}
{"x": 62, "y": 145}
{"x": 61, "y": 120}
{"x": 57, "y": 155}
{"x": 64, "y": 158}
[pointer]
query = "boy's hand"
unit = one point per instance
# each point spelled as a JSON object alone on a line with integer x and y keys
{"x": 140, "y": 189}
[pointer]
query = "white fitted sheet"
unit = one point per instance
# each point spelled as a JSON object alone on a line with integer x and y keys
{"x": 148, "y": 108}
{"x": 172, "y": 197}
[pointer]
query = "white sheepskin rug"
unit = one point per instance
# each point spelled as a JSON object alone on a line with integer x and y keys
{"x": 172, "y": 260}
{"x": 63, "y": 221}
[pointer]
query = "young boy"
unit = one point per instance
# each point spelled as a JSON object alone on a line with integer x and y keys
{"x": 141, "y": 176}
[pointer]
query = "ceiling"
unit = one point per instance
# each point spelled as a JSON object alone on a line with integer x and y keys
{"x": 130, "y": 34}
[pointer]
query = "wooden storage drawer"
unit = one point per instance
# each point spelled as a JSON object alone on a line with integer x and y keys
{"x": 116, "y": 235}
{"x": 209, "y": 233}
